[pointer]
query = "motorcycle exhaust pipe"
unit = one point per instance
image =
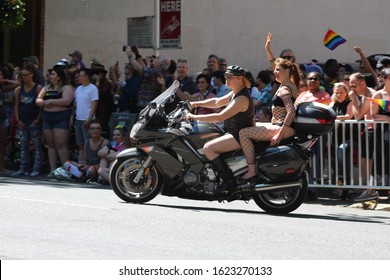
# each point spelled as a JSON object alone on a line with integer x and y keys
{"x": 272, "y": 187}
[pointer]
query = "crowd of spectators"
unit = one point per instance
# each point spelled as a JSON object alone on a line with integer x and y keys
{"x": 76, "y": 99}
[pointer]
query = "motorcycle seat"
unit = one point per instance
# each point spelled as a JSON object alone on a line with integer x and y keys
{"x": 261, "y": 146}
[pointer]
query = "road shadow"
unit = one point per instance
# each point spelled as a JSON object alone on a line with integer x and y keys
{"x": 54, "y": 183}
{"x": 329, "y": 217}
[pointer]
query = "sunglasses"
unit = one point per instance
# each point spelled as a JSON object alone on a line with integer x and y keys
{"x": 288, "y": 57}
{"x": 229, "y": 76}
{"x": 182, "y": 60}
{"x": 313, "y": 79}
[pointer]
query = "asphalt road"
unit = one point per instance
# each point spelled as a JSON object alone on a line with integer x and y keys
{"x": 60, "y": 220}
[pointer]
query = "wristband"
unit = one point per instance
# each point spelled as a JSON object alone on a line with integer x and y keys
{"x": 272, "y": 59}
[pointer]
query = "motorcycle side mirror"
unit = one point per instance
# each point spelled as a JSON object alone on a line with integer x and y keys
{"x": 187, "y": 105}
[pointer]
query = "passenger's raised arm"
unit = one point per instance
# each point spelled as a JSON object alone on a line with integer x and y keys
{"x": 268, "y": 50}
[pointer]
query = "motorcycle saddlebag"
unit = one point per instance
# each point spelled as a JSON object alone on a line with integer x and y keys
{"x": 314, "y": 118}
{"x": 282, "y": 163}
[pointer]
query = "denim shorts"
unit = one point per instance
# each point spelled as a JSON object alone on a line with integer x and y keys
{"x": 58, "y": 120}
{"x": 4, "y": 124}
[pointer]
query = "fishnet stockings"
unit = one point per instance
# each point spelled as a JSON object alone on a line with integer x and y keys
{"x": 265, "y": 131}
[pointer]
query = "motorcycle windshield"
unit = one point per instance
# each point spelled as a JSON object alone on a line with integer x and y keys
{"x": 163, "y": 97}
{"x": 153, "y": 107}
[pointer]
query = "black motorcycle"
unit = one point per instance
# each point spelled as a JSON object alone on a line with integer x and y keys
{"x": 168, "y": 158}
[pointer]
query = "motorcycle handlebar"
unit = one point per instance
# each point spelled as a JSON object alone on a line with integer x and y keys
{"x": 179, "y": 114}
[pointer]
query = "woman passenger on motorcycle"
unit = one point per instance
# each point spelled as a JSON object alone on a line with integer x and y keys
{"x": 283, "y": 114}
{"x": 238, "y": 113}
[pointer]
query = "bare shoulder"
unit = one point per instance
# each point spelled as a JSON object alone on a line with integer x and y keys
{"x": 284, "y": 90}
{"x": 68, "y": 89}
{"x": 379, "y": 94}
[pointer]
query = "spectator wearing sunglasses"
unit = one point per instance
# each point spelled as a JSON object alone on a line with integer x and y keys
{"x": 288, "y": 54}
{"x": 314, "y": 92}
{"x": 362, "y": 110}
{"x": 89, "y": 166}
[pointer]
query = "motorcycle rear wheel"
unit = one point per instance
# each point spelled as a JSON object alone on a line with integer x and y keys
{"x": 283, "y": 201}
{"x": 121, "y": 180}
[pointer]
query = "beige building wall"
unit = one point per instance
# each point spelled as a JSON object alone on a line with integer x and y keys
{"x": 235, "y": 30}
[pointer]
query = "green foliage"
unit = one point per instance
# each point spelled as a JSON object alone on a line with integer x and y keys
{"x": 12, "y": 13}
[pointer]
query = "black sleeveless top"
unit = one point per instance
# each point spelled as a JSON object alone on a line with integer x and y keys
{"x": 341, "y": 109}
{"x": 28, "y": 110}
{"x": 234, "y": 124}
{"x": 55, "y": 94}
{"x": 277, "y": 101}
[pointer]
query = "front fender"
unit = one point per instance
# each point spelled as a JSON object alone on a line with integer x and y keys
{"x": 128, "y": 153}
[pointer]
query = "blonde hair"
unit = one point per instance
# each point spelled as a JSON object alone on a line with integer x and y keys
{"x": 246, "y": 82}
{"x": 337, "y": 86}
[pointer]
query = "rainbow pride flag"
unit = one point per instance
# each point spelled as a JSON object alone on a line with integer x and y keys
{"x": 332, "y": 40}
{"x": 385, "y": 104}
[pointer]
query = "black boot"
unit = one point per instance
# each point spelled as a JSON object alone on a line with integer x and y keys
{"x": 229, "y": 182}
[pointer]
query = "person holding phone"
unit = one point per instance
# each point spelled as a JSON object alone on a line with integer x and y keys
{"x": 150, "y": 87}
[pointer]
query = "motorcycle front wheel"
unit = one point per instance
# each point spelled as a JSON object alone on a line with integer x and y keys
{"x": 283, "y": 201}
{"x": 123, "y": 172}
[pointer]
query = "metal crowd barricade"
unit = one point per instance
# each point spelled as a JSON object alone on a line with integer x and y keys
{"x": 326, "y": 170}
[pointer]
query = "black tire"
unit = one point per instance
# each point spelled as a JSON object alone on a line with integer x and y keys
{"x": 284, "y": 201}
{"x": 122, "y": 172}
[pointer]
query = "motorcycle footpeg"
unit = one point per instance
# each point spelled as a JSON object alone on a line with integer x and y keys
{"x": 242, "y": 181}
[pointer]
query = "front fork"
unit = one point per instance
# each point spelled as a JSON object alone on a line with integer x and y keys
{"x": 143, "y": 170}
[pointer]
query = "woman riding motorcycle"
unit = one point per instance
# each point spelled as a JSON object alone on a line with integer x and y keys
{"x": 238, "y": 113}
